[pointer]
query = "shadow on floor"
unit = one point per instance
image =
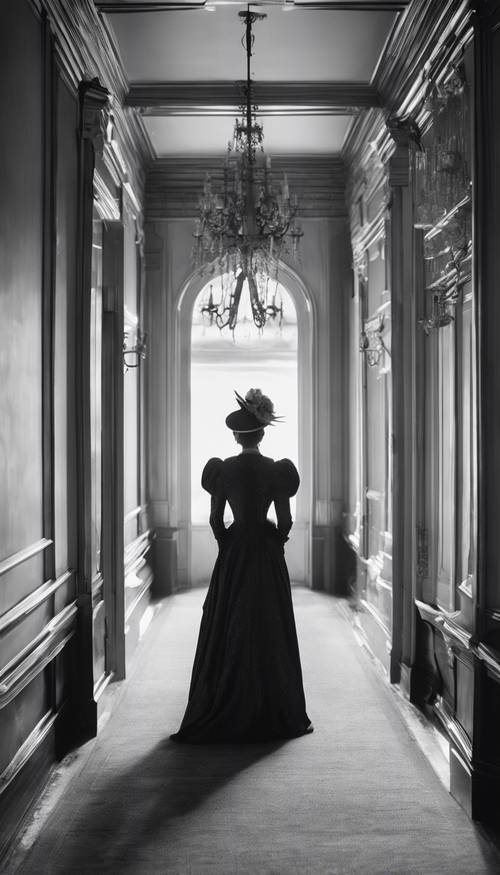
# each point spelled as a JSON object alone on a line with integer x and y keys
{"x": 127, "y": 818}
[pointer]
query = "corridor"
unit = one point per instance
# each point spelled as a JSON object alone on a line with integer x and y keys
{"x": 357, "y": 796}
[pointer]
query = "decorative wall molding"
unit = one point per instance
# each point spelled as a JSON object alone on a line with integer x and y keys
{"x": 363, "y": 237}
{"x": 28, "y": 664}
{"x": 107, "y": 205}
{"x": 142, "y": 590}
{"x": 23, "y": 555}
{"x": 459, "y": 638}
{"x": 360, "y": 262}
{"x": 85, "y": 49}
{"x": 491, "y": 660}
{"x": 411, "y": 55}
{"x": 273, "y": 98}
{"x": 454, "y": 730}
{"x": 370, "y": 609}
{"x": 94, "y": 102}
{"x": 111, "y": 6}
{"x": 32, "y": 601}
{"x": 372, "y": 341}
{"x": 135, "y": 512}
{"x": 426, "y": 38}
{"x": 173, "y": 185}
{"x": 27, "y": 749}
{"x": 135, "y": 552}
{"x": 404, "y": 132}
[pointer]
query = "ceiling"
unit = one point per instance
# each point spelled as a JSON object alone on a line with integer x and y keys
{"x": 313, "y": 70}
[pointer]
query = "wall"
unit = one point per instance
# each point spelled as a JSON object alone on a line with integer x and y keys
{"x": 425, "y": 587}
{"x": 37, "y": 535}
{"x": 58, "y": 571}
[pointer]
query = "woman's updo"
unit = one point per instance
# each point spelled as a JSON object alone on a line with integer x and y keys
{"x": 249, "y": 439}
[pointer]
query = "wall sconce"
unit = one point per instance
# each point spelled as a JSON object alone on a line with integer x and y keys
{"x": 444, "y": 301}
{"x": 132, "y": 354}
{"x": 371, "y": 342}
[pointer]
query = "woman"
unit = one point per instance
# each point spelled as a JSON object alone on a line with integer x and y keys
{"x": 247, "y": 680}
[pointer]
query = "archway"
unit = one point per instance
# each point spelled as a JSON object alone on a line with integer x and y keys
{"x": 192, "y": 532}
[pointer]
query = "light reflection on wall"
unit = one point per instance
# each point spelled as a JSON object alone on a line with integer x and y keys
{"x": 220, "y": 364}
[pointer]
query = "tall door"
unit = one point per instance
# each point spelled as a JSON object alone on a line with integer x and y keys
{"x": 96, "y": 568}
{"x": 106, "y": 381}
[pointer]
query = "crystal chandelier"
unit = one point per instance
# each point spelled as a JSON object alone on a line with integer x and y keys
{"x": 245, "y": 229}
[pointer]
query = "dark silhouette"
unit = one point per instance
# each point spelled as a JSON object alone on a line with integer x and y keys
{"x": 247, "y": 680}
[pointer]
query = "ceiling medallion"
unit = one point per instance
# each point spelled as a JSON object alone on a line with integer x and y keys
{"x": 244, "y": 230}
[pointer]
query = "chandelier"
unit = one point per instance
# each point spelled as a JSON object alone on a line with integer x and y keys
{"x": 244, "y": 229}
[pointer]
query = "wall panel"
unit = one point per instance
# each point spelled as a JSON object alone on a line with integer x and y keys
{"x": 18, "y": 718}
{"x": 21, "y": 580}
{"x": 64, "y": 376}
{"x": 21, "y": 183}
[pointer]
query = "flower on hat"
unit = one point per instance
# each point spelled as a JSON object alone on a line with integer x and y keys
{"x": 260, "y": 405}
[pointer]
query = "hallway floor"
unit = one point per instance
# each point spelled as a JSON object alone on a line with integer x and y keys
{"x": 356, "y": 796}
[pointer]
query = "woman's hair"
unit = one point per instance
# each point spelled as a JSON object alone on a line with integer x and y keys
{"x": 249, "y": 439}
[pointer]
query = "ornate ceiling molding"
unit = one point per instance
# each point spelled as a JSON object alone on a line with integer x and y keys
{"x": 173, "y": 185}
{"x": 273, "y": 98}
{"x": 423, "y": 44}
{"x": 426, "y": 40}
{"x": 110, "y": 6}
{"x": 84, "y": 50}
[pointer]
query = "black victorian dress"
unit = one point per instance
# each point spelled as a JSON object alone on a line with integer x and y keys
{"x": 246, "y": 683}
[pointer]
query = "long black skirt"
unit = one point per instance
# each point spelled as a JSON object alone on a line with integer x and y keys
{"x": 246, "y": 683}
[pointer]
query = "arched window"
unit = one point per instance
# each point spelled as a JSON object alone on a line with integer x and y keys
{"x": 222, "y": 361}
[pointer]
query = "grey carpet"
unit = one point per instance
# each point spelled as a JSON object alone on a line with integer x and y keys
{"x": 357, "y": 796}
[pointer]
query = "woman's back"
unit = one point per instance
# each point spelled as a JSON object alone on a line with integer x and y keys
{"x": 248, "y": 485}
{"x": 250, "y": 482}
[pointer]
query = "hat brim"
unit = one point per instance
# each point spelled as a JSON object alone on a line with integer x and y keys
{"x": 243, "y": 421}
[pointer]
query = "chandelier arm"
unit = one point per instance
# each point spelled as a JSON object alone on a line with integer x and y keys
{"x": 234, "y": 304}
{"x": 258, "y": 309}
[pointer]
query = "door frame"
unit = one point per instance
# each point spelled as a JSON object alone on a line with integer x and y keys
{"x": 179, "y": 412}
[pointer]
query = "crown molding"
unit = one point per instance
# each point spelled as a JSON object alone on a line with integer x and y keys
{"x": 129, "y": 7}
{"x": 273, "y": 98}
{"x": 126, "y": 8}
{"x": 414, "y": 55}
{"x": 173, "y": 185}
{"x": 112, "y": 6}
{"x": 84, "y": 51}
{"x": 353, "y": 6}
{"x": 423, "y": 43}
{"x": 83, "y": 46}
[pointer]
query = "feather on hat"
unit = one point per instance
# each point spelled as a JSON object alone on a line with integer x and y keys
{"x": 256, "y": 411}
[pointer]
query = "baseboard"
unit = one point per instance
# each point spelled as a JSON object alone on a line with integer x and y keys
{"x": 24, "y": 788}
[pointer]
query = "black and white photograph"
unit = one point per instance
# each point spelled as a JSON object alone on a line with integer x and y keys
{"x": 250, "y": 437}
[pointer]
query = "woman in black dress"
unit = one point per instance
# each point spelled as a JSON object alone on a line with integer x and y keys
{"x": 246, "y": 683}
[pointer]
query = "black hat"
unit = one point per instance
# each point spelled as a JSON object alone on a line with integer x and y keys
{"x": 256, "y": 411}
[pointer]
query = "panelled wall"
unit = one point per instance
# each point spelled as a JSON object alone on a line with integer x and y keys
{"x": 38, "y": 527}
{"x": 74, "y": 539}
{"x": 423, "y": 489}
{"x": 137, "y": 530}
{"x": 369, "y": 519}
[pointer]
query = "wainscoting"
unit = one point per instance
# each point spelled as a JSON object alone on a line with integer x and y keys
{"x": 37, "y": 647}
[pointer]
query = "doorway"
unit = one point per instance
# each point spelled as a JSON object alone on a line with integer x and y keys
{"x": 208, "y": 367}
{"x": 223, "y": 361}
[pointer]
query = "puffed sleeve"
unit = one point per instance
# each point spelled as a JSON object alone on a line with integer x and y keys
{"x": 286, "y": 478}
{"x": 211, "y": 476}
